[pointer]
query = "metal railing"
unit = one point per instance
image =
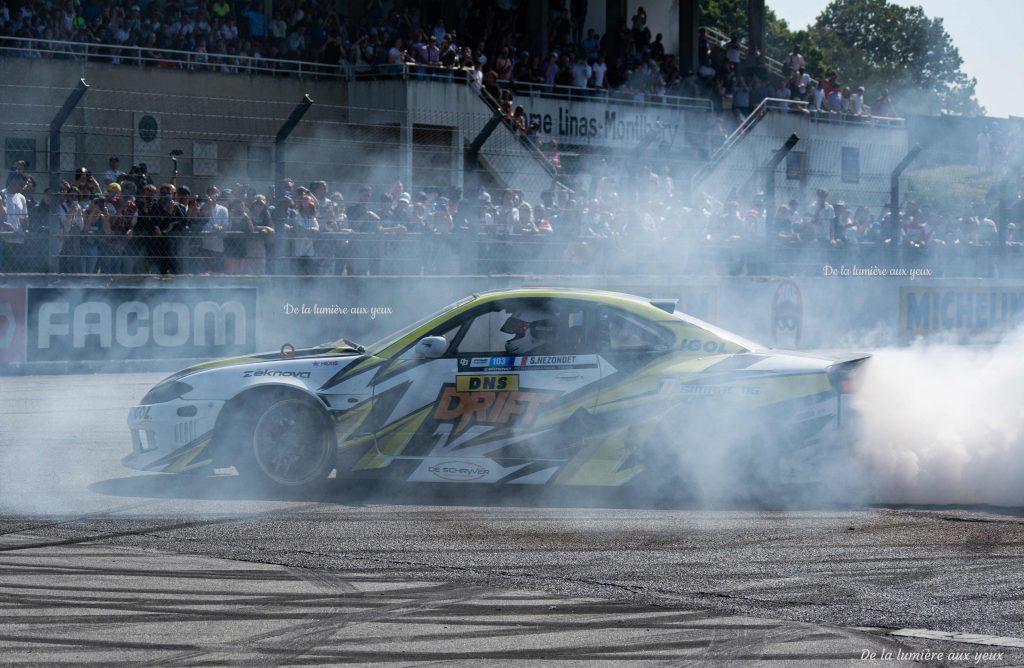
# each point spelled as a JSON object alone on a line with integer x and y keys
{"x": 578, "y": 94}
{"x": 192, "y": 61}
{"x": 779, "y": 105}
{"x": 527, "y": 142}
{"x": 468, "y": 253}
{"x": 141, "y": 56}
{"x": 776, "y": 67}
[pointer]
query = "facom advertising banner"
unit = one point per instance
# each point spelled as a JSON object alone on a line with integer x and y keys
{"x": 96, "y": 324}
{"x": 12, "y": 324}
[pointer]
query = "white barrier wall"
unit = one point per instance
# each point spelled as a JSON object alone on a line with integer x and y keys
{"x": 58, "y": 323}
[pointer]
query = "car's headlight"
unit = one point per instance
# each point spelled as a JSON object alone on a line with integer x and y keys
{"x": 166, "y": 392}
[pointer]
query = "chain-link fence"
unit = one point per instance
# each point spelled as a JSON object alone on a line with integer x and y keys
{"x": 412, "y": 186}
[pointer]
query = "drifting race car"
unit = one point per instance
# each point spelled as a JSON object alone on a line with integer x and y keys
{"x": 527, "y": 386}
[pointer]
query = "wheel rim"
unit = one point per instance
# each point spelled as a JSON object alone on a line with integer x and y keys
{"x": 289, "y": 443}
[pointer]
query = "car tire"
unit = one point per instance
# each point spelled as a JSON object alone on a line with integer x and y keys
{"x": 288, "y": 444}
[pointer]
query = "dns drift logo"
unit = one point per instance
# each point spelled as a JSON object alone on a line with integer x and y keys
{"x": 498, "y": 407}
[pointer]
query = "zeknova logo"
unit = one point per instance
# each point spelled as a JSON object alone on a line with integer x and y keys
{"x": 274, "y": 373}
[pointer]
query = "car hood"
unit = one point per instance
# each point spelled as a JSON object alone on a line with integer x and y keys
{"x": 298, "y": 354}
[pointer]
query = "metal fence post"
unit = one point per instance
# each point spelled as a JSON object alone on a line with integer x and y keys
{"x": 473, "y": 150}
{"x": 282, "y": 135}
{"x": 769, "y": 185}
{"x": 1007, "y": 191}
{"x": 53, "y": 159}
{"x": 894, "y": 199}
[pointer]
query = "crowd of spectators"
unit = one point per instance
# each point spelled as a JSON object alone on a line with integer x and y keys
{"x": 488, "y": 48}
{"x": 121, "y": 222}
{"x": 491, "y": 39}
{"x": 739, "y": 82}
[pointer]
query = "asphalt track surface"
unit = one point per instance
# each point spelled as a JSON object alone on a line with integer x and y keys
{"x": 106, "y": 566}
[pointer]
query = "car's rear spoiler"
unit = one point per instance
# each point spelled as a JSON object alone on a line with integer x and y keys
{"x": 843, "y": 373}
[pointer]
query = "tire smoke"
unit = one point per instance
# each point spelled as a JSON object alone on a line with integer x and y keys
{"x": 944, "y": 424}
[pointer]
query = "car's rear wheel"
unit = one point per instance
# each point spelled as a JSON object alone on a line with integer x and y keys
{"x": 288, "y": 444}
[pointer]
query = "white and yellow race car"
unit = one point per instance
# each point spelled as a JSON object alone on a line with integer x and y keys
{"x": 527, "y": 386}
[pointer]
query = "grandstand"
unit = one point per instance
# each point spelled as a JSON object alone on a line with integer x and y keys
{"x": 514, "y": 142}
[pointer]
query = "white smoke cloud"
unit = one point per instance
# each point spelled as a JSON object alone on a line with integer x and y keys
{"x": 944, "y": 424}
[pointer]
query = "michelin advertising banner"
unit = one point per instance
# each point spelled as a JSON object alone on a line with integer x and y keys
{"x": 965, "y": 311}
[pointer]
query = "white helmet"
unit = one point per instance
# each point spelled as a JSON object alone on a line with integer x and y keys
{"x": 531, "y": 328}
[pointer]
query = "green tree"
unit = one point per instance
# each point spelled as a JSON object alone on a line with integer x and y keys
{"x": 730, "y": 17}
{"x": 881, "y": 45}
{"x": 872, "y": 43}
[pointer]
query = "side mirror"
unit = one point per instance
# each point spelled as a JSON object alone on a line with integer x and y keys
{"x": 431, "y": 346}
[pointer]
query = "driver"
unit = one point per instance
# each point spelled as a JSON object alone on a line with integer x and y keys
{"x": 533, "y": 330}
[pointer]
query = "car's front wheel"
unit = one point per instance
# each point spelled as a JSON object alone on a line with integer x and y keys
{"x": 288, "y": 443}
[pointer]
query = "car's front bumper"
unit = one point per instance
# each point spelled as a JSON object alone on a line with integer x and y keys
{"x": 172, "y": 437}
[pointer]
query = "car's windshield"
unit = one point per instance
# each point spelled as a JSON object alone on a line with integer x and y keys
{"x": 383, "y": 343}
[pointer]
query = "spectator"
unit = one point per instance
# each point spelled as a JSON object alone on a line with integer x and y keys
{"x": 519, "y": 120}
{"x": 263, "y": 226}
{"x": 795, "y": 61}
{"x": 122, "y": 219}
{"x": 210, "y": 224}
{"x": 818, "y": 225}
{"x": 476, "y": 77}
{"x": 581, "y": 73}
{"x": 733, "y": 54}
{"x": 239, "y": 228}
{"x": 657, "y": 48}
{"x": 784, "y": 223}
{"x": 551, "y": 70}
{"x": 883, "y": 106}
{"x": 172, "y": 226}
{"x": 503, "y": 65}
{"x": 835, "y": 101}
{"x": 147, "y": 231}
{"x": 71, "y": 222}
{"x": 857, "y": 102}
{"x": 16, "y": 215}
{"x": 600, "y": 70}
{"x": 302, "y": 228}
{"x": 592, "y": 46}
{"x": 819, "y": 97}
{"x": 257, "y": 21}
{"x": 95, "y": 226}
{"x": 113, "y": 172}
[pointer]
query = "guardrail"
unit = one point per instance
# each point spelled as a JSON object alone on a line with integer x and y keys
{"x": 167, "y": 58}
{"x": 578, "y": 94}
{"x": 232, "y": 63}
{"x": 779, "y": 105}
{"x": 466, "y": 253}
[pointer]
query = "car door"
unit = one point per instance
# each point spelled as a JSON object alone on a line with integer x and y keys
{"x": 628, "y": 348}
{"x": 496, "y": 406}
